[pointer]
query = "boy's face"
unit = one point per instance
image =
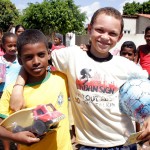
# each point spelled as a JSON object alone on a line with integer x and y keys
{"x": 34, "y": 58}
{"x": 104, "y": 34}
{"x": 10, "y": 45}
{"x": 128, "y": 53}
{"x": 147, "y": 37}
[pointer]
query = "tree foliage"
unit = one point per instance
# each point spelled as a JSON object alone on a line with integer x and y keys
{"x": 8, "y": 14}
{"x": 146, "y": 7}
{"x": 54, "y": 16}
{"x": 136, "y": 8}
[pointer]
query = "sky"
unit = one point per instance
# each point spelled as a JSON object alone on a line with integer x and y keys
{"x": 88, "y": 6}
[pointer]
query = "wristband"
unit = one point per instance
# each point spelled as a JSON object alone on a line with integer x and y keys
{"x": 18, "y": 85}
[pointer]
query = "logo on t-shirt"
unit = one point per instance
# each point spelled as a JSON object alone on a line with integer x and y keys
{"x": 94, "y": 82}
{"x": 60, "y": 99}
{"x": 96, "y": 88}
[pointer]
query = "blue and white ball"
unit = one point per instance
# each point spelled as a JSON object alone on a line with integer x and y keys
{"x": 135, "y": 99}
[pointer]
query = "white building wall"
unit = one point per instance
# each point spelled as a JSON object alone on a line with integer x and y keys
{"x": 129, "y": 25}
{"x": 138, "y": 39}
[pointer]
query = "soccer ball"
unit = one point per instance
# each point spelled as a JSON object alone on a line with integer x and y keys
{"x": 134, "y": 99}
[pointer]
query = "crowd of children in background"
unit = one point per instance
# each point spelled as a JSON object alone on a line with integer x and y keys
{"x": 97, "y": 128}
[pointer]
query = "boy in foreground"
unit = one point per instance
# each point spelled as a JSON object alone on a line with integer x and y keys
{"x": 42, "y": 87}
{"x": 94, "y": 78}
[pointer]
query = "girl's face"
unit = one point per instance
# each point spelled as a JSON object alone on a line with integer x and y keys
{"x": 19, "y": 31}
{"x": 10, "y": 45}
{"x": 128, "y": 53}
{"x": 147, "y": 37}
{"x": 104, "y": 34}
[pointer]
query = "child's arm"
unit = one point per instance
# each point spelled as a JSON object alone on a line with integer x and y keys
{"x": 24, "y": 137}
{"x": 17, "y": 99}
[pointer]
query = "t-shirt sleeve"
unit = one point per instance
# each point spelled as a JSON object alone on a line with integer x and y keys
{"x": 4, "y": 103}
{"x": 62, "y": 57}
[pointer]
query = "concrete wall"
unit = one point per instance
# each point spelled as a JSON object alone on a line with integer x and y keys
{"x": 82, "y": 39}
{"x": 142, "y": 23}
{"x": 129, "y": 25}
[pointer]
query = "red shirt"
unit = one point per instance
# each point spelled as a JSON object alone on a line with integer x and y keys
{"x": 145, "y": 61}
{"x": 56, "y": 47}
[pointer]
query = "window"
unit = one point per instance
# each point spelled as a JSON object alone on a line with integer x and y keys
{"x": 127, "y": 31}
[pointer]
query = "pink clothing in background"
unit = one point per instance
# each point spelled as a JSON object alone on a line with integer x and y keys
{"x": 1, "y": 52}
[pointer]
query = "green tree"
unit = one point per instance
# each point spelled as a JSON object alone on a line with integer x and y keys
{"x": 136, "y": 8}
{"x": 54, "y": 16}
{"x": 146, "y": 7}
{"x": 132, "y": 8}
{"x": 8, "y": 14}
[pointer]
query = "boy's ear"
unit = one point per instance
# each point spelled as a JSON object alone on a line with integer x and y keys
{"x": 19, "y": 60}
{"x": 120, "y": 36}
{"x": 89, "y": 28}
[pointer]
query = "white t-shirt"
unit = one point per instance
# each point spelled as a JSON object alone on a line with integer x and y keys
{"x": 94, "y": 95}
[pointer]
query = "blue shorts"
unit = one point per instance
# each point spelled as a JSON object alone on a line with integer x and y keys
{"x": 131, "y": 147}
